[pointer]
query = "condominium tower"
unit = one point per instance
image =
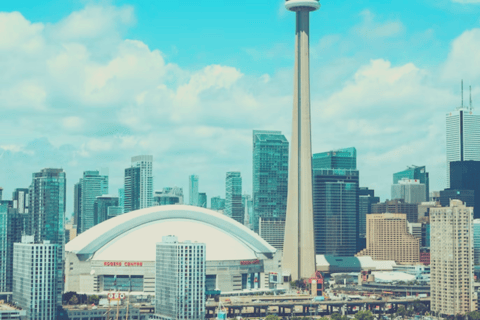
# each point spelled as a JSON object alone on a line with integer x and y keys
{"x": 451, "y": 260}
{"x": 180, "y": 280}
{"x": 463, "y": 135}
{"x": 270, "y": 175}
{"x": 233, "y": 200}
{"x": 299, "y": 245}
{"x": 132, "y": 189}
{"x": 145, "y": 163}
{"x": 92, "y": 185}
{"x": 35, "y": 279}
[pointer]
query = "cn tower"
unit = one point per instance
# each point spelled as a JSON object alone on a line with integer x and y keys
{"x": 299, "y": 245}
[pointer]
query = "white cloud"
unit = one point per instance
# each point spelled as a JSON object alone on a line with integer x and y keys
{"x": 373, "y": 30}
{"x": 463, "y": 59}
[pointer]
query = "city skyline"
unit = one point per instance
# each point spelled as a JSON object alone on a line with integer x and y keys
{"x": 417, "y": 90}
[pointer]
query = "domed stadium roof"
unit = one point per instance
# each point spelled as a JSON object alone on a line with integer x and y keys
{"x": 133, "y": 235}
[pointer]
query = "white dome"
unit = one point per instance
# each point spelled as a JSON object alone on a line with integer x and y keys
{"x": 133, "y": 236}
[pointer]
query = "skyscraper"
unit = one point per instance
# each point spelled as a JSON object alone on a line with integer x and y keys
{"x": 93, "y": 185}
{"x": 202, "y": 199}
{"x": 336, "y": 159}
{"x": 476, "y": 242}
{"x": 451, "y": 260}
{"x": 299, "y": 245}
{"x": 270, "y": 175}
{"x": 145, "y": 164}
{"x": 4, "y": 252}
{"x": 193, "y": 190}
{"x": 335, "y": 211}
{"x": 132, "y": 189}
{"x": 410, "y": 190}
{"x": 35, "y": 279}
{"x": 233, "y": 201}
{"x": 180, "y": 280}
{"x": 463, "y": 135}
{"x": 397, "y": 206}
{"x": 20, "y": 200}
{"x": 415, "y": 173}
{"x": 168, "y": 196}
{"x": 47, "y": 214}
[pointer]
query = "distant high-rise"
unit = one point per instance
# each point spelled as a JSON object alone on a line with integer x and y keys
{"x": 414, "y": 173}
{"x": 93, "y": 185}
{"x": 410, "y": 190}
{"x": 47, "y": 214}
{"x": 180, "y": 280}
{"x": 217, "y": 203}
{"x": 20, "y": 200}
{"x": 202, "y": 199}
{"x": 1, "y": 193}
{"x": 168, "y": 196}
{"x": 299, "y": 245}
{"x": 463, "y": 135}
{"x": 77, "y": 204}
{"x": 336, "y": 211}
{"x": 272, "y": 230}
{"x": 336, "y": 159}
{"x": 248, "y": 217}
{"x": 451, "y": 260}
{"x": 4, "y": 252}
{"x": 101, "y": 207}
{"x": 132, "y": 189}
{"x": 233, "y": 202}
{"x": 270, "y": 175}
{"x": 388, "y": 239}
{"x": 193, "y": 190}
{"x": 145, "y": 163}
{"x": 366, "y": 197}
{"x": 35, "y": 279}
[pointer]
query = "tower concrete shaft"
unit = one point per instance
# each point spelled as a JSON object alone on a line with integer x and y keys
{"x": 299, "y": 245}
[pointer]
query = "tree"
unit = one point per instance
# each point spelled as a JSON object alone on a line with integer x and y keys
{"x": 364, "y": 315}
{"x": 73, "y": 300}
{"x": 401, "y": 312}
{"x": 474, "y": 315}
{"x": 337, "y": 316}
{"x": 94, "y": 300}
{"x": 272, "y": 317}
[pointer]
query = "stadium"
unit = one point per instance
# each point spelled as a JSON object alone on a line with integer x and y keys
{"x": 119, "y": 254}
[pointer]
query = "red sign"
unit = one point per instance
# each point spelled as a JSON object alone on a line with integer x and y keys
{"x": 122, "y": 264}
{"x": 249, "y": 262}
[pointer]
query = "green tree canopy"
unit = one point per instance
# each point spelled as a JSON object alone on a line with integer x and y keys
{"x": 364, "y": 315}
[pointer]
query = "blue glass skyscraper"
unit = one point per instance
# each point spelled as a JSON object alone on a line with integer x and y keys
{"x": 233, "y": 200}
{"x": 93, "y": 185}
{"x": 270, "y": 175}
{"x": 335, "y": 202}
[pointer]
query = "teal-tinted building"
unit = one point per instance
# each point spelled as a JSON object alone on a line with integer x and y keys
{"x": 336, "y": 202}
{"x": 335, "y": 159}
{"x": 270, "y": 175}
{"x": 233, "y": 200}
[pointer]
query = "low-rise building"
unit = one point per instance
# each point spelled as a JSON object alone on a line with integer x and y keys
{"x": 10, "y": 312}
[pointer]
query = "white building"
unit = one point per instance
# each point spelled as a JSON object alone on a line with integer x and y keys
{"x": 35, "y": 278}
{"x": 451, "y": 259}
{"x": 415, "y": 229}
{"x": 123, "y": 249}
{"x": 8, "y": 312}
{"x": 180, "y": 279}
{"x": 463, "y": 136}
{"x": 410, "y": 190}
{"x": 145, "y": 164}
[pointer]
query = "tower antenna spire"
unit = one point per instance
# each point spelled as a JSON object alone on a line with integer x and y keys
{"x": 462, "y": 94}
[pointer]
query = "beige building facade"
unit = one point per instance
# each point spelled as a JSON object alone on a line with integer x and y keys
{"x": 451, "y": 259}
{"x": 388, "y": 239}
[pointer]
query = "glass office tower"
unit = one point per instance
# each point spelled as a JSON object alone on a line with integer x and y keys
{"x": 336, "y": 202}
{"x": 233, "y": 202}
{"x": 414, "y": 173}
{"x": 270, "y": 175}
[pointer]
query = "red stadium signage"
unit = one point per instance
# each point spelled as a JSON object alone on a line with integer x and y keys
{"x": 122, "y": 264}
{"x": 249, "y": 262}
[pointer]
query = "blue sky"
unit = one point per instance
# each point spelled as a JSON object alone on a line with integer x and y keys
{"x": 88, "y": 84}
